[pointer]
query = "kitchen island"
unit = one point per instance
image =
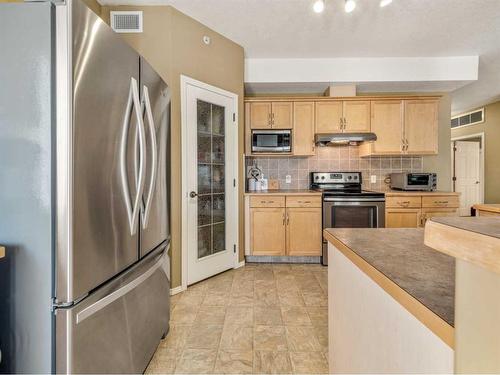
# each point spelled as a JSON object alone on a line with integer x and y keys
{"x": 391, "y": 303}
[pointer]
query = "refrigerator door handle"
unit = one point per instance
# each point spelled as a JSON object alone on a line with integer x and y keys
{"x": 133, "y": 210}
{"x": 154, "y": 155}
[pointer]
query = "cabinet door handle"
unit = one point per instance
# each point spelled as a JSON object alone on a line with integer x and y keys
{"x": 287, "y": 219}
{"x": 283, "y": 219}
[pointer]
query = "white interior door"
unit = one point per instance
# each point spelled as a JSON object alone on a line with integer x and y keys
{"x": 467, "y": 156}
{"x": 210, "y": 188}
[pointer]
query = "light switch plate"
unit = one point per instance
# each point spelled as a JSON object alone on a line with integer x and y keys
{"x": 373, "y": 179}
{"x": 288, "y": 179}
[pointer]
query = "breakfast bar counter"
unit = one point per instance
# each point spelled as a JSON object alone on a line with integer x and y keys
{"x": 391, "y": 302}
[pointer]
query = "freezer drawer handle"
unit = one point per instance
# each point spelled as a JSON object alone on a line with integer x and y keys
{"x": 154, "y": 156}
{"x": 110, "y": 298}
{"x": 133, "y": 211}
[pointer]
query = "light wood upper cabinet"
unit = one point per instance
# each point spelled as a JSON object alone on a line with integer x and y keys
{"x": 403, "y": 125}
{"x": 303, "y": 128}
{"x": 282, "y": 115}
{"x": 303, "y": 231}
{"x": 260, "y": 115}
{"x": 328, "y": 117}
{"x": 387, "y": 124}
{"x": 267, "y": 231}
{"x": 421, "y": 126}
{"x": 356, "y": 116}
{"x": 271, "y": 115}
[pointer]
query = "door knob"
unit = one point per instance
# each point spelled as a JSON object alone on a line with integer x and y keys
{"x": 193, "y": 194}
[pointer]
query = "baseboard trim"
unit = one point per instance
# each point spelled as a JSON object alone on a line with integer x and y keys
{"x": 282, "y": 259}
{"x": 239, "y": 265}
{"x": 176, "y": 290}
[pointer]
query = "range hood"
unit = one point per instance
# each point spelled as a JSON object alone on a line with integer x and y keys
{"x": 340, "y": 139}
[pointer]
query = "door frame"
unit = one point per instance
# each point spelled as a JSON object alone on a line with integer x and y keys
{"x": 185, "y": 82}
{"x": 481, "y": 160}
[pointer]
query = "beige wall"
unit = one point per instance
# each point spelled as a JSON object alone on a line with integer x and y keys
{"x": 491, "y": 130}
{"x": 172, "y": 43}
{"x": 441, "y": 163}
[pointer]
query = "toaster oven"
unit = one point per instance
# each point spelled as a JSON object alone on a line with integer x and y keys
{"x": 414, "y": 181}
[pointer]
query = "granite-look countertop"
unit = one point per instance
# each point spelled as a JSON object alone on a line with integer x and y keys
{"x": 284, "y": 192}
{"x": 490, "y": 207}
{"x": 401, "y": 193}
{"x": 400, "y": 255}
{"x": 487, "y": 226}
{"x": 475, "y": 240}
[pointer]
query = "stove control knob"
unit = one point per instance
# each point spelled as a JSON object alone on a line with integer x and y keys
{"x": 322, "y": 177}
{"x": 355, "y": 177}
{"x": 317, "y": 177}
{"x": 349, "y": 177}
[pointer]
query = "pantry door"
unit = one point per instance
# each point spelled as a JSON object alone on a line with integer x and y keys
{"x": 210, "y": 142}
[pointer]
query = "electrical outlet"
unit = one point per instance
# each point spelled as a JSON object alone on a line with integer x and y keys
{"x": 288, "y": 179}
{"x": 373, "y": 179}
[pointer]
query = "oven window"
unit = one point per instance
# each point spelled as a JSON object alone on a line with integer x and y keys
{"x": 354, "y": 217}
{"x": 266, "y": 140}
{"x": 418, "y": 179}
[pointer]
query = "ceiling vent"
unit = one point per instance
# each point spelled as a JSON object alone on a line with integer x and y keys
{"x": 126, "y": 21}
{"x": 470, "y": 118}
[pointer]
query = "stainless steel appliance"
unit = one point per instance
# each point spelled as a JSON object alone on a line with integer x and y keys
{"x": 271, "y": 140}
{"x": 84, "y": 127}
{"x": 414, "y": 181}
{"x": 345, "y": 204}
{"x": 342, "y": 139}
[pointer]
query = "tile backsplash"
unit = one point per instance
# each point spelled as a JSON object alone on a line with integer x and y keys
{"x": 329, "y": 159}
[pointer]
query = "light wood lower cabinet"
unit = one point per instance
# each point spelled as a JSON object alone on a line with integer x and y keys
{"x": 303, "y": 231}
{"x": 402, "y": 217}
{"x": 295, "y": 229}
{"x": 413, "y": 211}
{"x": 267, "y": 231}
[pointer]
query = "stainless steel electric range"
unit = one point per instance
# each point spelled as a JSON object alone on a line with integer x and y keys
{"x": 346, "y": 204}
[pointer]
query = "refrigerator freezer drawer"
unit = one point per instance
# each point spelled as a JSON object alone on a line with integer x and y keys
{"x": 118, "y": 327}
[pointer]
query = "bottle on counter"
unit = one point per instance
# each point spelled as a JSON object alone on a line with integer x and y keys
{"x": 264, "y": 183}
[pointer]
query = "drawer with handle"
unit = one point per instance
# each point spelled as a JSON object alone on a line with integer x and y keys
{"x": 267, "y": 201}
{"x": 303, "y": 201}
{"x": 403, "y": 202}
{"x": 441, "y": 201}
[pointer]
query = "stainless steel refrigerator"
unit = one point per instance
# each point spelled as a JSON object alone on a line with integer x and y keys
{"x": 84, "y": 137}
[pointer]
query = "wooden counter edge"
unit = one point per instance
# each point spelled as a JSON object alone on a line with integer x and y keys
{"x": 393, "y": 193}
{"x": 2, "y": 251}
{"x": 487, "y": 207}
{"x": 473, "y": 247}
{"x": 427, "y": 317}
{"x": 281, "y": 192}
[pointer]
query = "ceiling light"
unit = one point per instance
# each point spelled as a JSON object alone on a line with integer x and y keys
{"x": 319, "y": 6}
{"x": 384, "y": 3}
{"x": 349, "y": 5}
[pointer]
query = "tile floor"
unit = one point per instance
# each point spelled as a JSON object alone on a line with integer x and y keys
{"x": 261, "y": 319}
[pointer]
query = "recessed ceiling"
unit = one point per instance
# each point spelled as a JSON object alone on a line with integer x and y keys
{"x": 405, "y": 28}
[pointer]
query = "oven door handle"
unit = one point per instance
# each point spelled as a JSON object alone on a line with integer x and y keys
{"x": 354, "y": 200}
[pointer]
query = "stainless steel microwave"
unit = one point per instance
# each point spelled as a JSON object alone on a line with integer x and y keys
{"x": 413, "y": 181}
{"x": 271, "y": 140}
